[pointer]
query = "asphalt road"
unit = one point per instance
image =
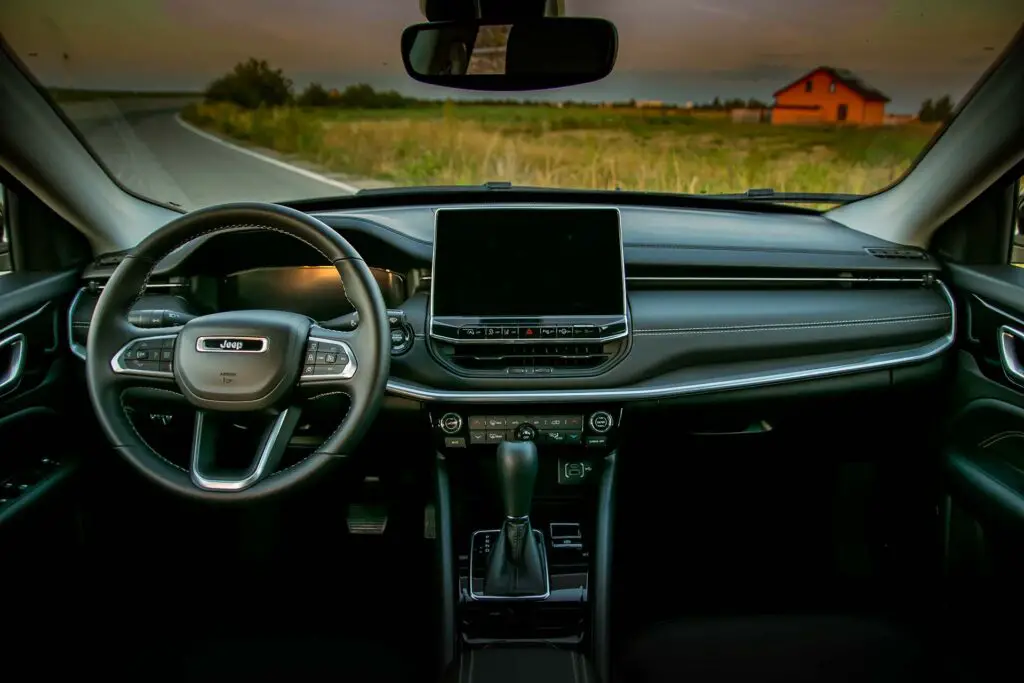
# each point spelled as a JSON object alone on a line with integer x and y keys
{"x": 151, "y": 152}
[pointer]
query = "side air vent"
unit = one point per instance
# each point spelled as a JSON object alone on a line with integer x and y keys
{"x": 529, "y": 359}
{"x": 108, "y": 260}
{"x": 897, "y": 253}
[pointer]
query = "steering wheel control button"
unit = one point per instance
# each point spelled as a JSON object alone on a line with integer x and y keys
{"x": 327, "y": 359}
{"x": 152, "y": 357}
{"x": 451, "y": 423}
{"x": 601, "y": 422}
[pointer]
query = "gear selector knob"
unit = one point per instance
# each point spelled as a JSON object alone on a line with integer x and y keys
{"x": 517, "y": 474}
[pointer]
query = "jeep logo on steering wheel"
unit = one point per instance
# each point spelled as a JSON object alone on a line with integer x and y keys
{"x": 232, "y": 344}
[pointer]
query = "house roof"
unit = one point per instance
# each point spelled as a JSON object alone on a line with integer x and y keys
{"x": 847, "y": 78}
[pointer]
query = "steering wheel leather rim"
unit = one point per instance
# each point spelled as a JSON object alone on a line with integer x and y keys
{"x": 110, "y": 328}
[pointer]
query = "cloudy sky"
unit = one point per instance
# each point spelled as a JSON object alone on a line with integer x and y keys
{"x": 671, "y": 50}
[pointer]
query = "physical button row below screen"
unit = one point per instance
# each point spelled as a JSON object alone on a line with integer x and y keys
{"x": 477, "y": 422}
{"x": 549, "y": 436}
{"x": 544, "y": 332}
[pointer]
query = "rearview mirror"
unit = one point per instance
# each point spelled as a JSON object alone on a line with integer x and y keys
{"x": 527, "y": 55}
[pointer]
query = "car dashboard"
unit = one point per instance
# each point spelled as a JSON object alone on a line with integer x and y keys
{"x": 675, "y": 305}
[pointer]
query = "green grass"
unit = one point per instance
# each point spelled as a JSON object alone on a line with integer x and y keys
{"x": 631, "y": 149}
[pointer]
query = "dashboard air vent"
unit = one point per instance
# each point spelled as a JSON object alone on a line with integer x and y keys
{"x": 107, "y": 260}
{"x": 898, "y": 253}
{"x": 518, "y": 359}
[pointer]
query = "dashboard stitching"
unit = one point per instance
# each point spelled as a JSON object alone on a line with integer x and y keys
{"x": 783, "y": 327}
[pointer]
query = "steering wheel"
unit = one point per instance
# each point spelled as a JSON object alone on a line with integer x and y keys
{"x": 253, "y": 361}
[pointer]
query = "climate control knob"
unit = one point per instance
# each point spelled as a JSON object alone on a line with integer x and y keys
{"x": 450, "y": 423}
{"x": 601, "y": 422}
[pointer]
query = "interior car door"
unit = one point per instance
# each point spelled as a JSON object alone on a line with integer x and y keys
{"x": 983, "y": 506}
{"x": 41, "y": 417}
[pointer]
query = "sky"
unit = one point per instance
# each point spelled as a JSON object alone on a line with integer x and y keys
{"x": 671, "y": 50}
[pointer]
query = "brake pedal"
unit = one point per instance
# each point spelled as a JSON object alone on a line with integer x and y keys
{"x": 368, "y": 520}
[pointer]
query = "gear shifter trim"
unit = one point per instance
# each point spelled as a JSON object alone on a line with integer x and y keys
{"x": 541, "y": 542}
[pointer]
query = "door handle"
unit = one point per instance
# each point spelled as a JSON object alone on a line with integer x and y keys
{"x": 1009, "y": 339}
{"x": 13, "y": 348}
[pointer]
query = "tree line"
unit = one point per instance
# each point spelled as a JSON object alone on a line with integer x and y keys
{"x": 254, "y": 83}
{"x": 934, "y": 112}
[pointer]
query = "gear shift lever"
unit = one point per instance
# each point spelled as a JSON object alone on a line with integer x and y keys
{"x": 517, "y": 473}
{"x": 517, "y": 566}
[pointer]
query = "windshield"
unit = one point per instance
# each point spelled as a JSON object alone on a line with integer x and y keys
{"x": 192, "y": 102}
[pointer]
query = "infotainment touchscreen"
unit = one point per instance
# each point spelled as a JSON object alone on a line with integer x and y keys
{"x": 527, "y": 262}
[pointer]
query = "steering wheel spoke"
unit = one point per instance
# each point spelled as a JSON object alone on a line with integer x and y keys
{"x": 330, "y": 361}
{"x": 208, "y": 440}
{"x": 146, "y": 359}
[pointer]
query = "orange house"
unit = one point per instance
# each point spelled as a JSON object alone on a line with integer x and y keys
{"x": 827, "y": 95}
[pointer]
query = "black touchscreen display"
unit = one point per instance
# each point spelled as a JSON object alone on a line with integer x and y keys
{"x": 512, "y": 262}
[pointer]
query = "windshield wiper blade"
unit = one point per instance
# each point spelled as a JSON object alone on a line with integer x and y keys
{"x": 484, "y": 187}
{"x": 767, "y": 194}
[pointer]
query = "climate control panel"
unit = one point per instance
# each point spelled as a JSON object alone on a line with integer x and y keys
{"x": 581, "y": 428}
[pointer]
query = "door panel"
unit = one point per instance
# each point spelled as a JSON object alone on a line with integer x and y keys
{"x": 984, "y": 444}
{"x": 41, "y": 415}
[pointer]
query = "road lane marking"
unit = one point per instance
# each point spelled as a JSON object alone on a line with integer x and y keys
{"x": 351, "y": 189}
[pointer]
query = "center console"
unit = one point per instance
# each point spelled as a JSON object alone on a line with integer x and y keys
{"x": 537, "y": 475}
{"x": 528, "y": 293}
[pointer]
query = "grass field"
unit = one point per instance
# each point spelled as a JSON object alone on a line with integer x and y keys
{"x": 576, "y": 147}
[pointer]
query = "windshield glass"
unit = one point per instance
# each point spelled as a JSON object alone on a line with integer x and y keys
{"x": 192, "y": 102}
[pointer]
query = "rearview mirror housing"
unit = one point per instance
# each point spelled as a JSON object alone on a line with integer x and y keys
{"x": 526, "y": 55}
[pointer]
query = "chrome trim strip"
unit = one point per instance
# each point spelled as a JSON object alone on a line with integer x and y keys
{"x": 24, "y": 318}
{"x": 201, "y": 348}
{"x": 876, "y": 362}
{"x": 211, "y": 484}
{"x": 998, "y": 310}
{"x": 885, "y": 280}
{"x": 1008, "y": 356}
{"x": 346, "y": 372}
{"x": 157, "y": 285}
{"x": 505, "y": 207}
{"x": 76, "y": 348}
{"x": 12, "y": 375}
{"x": 117, "y": 362}
{"x": 506, "y": 598}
